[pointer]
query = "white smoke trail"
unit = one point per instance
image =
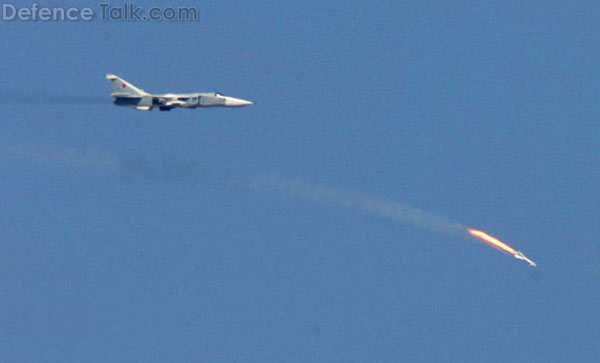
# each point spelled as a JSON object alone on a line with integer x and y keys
{"x": 190, "y": 172}
{"x": 16, "y": 98}
{"x": 92, "y": 159}
{"x": 318, "y": 193}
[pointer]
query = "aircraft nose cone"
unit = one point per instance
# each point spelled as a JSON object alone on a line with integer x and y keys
{"x": 236, "y": 102}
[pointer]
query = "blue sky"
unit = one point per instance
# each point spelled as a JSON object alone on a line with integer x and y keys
{"x": 482, "y": 113}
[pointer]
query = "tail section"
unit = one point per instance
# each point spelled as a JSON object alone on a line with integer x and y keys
{"x": 122, "y": 87}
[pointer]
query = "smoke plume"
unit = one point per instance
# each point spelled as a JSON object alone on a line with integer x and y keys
{"x": 172, "y": 170}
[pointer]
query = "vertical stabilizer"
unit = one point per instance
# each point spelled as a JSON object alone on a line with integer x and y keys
{"x": 122, "y": 87}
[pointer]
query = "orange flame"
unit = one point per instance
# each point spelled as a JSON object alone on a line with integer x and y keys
{"x": 494, "y": 242}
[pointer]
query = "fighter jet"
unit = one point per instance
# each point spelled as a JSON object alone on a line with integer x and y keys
{"x": 519, "y": 255}
{"x": 126, "y": 94}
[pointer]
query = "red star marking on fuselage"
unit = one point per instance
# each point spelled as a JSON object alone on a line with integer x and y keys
{"x": 124, "y": 85}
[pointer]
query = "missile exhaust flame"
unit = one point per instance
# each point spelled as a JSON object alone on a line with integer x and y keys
{"x": 496, "y": 243}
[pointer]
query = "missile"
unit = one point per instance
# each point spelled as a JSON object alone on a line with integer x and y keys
{"x": 519, "y": 255}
